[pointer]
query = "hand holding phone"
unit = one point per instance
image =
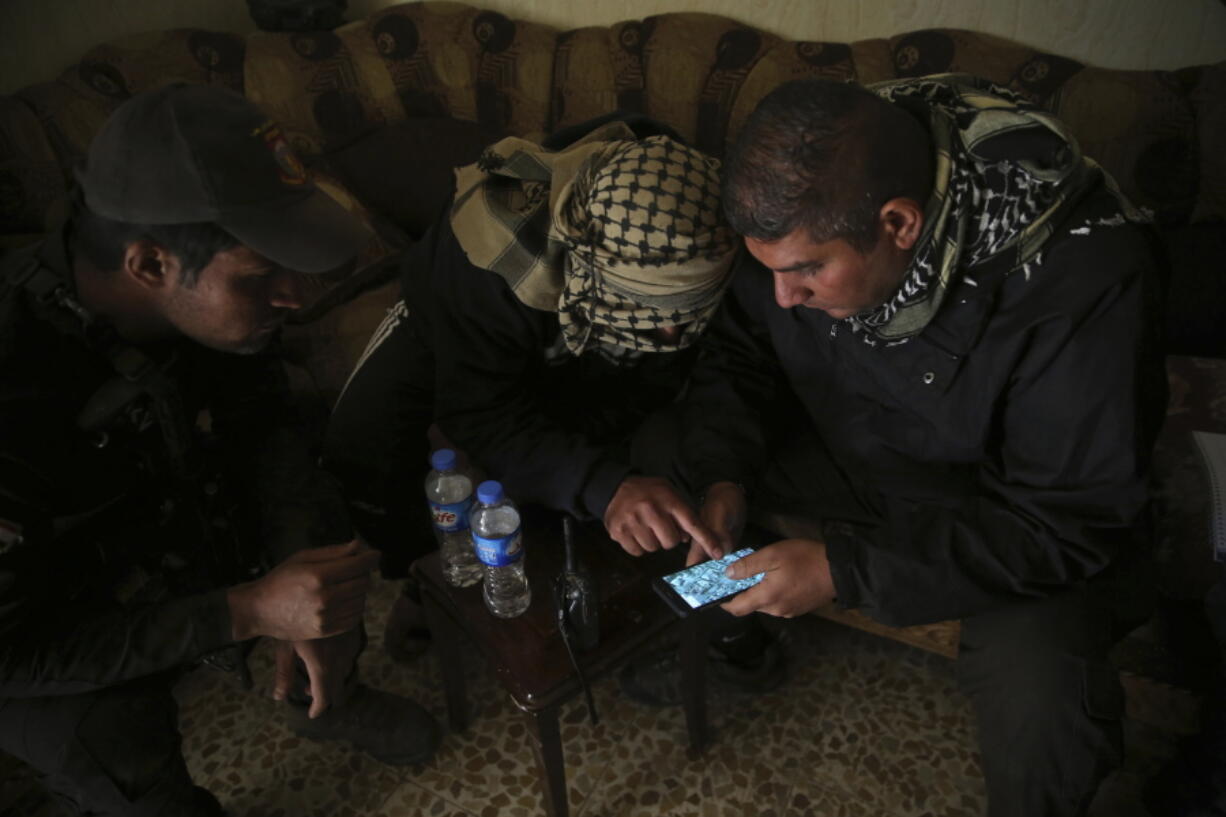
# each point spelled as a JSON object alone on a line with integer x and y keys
{"x": 798, "y": 579}
{"x": 703, "y": 585}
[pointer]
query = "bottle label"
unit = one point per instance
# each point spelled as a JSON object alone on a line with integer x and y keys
{"x": 499, "y": 552}
{"x": 453, "y": 517}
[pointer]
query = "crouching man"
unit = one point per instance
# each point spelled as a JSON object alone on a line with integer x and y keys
{"x": 131, "y": 533}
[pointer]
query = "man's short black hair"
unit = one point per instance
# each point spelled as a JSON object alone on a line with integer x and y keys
{"x": 825, "y": 156}
{"x": 103, "y": 241}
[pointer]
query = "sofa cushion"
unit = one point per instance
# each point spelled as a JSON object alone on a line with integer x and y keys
{"x": 485, "y": 66}
{"x": 952, "y": 50}
{"x": 405, "y": 171}
{"x": 314, "y": 85}
{"x": 30, "y": 176}
{"x": 120, "y": 68}
{"x": 327, "y": 88}
{"x": 375, "y": 264}
{"x": 583, "y": 77}
{"x": 1140, "y": 127}
{"x": 68, "y": 118}
{"x": 426, "y": 74}
{"x": 626, "y": 41}
{"x": 694, "y": 67}
{"x": 514, "y": 73}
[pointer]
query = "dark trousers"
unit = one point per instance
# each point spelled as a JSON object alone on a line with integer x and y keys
{"x": 115, "y": 751}
{"x": 1047, "y": 701}
{"x": 1193, "y": 782}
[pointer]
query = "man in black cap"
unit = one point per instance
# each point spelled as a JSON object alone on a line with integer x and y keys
{"x": 128, "y": 523}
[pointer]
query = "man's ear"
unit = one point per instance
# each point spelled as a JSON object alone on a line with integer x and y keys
{"x": 149, "y": 265}
{"x": 902, "y": 220}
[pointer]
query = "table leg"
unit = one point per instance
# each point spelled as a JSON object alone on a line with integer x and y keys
{"x": 695, "y": 631}
{"x": 446, "y": 640}
{"x": 547, "y": 745}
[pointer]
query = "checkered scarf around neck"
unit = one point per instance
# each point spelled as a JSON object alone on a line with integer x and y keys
{"x": 1006, "y": 175}
{"x": 619, "y": 236}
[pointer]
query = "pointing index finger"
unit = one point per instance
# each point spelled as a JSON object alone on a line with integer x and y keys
{"x": 699, "y": 533}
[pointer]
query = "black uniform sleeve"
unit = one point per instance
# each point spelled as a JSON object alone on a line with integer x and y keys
{"x": 64, "y": 493}
{"x": 85, "y": 648}
{"x": 1064, "y": 487}
{"x": 74, "y": 645}
{"x": 487, "y": 345}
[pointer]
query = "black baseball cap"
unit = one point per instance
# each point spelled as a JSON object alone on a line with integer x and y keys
{"x": 190, "y": 153}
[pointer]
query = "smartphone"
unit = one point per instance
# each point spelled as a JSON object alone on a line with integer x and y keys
{"x": 704, "y": 584}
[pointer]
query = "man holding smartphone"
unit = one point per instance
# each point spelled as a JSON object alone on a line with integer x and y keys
{"x": 947, "y": 316}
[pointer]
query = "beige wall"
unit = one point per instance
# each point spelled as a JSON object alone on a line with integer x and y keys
{"x": 38, "y": 38}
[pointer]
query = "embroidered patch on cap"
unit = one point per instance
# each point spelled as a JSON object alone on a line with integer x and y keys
{"x": 290, "y": 166}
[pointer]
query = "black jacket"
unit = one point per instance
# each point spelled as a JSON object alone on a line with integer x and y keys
{"x": 1006, "y": 447}
{"x": 93, "y": 507}
{"x": 553, "y": 427}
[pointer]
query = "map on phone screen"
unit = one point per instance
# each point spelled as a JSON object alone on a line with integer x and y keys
{"x": 704, "y": 583}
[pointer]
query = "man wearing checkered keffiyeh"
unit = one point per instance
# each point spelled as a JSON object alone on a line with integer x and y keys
{"x": 547, "y": 328}
{"x": 634, "y": 242}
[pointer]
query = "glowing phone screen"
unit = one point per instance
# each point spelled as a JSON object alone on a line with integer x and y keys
{"x": 706, "y": 582}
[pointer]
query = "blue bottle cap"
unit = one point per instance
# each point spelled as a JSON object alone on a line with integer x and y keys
{"x": 442, "y": 460}
{"x": 489, "y": 492}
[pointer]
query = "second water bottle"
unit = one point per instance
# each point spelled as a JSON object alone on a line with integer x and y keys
{"x": 496, "y": 537}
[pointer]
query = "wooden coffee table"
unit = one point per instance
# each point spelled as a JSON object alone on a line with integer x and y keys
{"x": 528, "y": 655}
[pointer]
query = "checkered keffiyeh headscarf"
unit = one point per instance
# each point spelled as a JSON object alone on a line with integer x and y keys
{"x": 1007, "y": 173}
{"x": 618, "y": 236}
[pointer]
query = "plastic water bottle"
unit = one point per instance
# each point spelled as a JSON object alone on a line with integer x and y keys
{"x": 495, "y": 526}
{"x": 450, "y": 494}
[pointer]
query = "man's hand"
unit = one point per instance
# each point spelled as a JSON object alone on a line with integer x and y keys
{"x": 328, "y": 662}
{"x": 647, "y": 514}
{"x": 797, "y": 579}
{"x": 315, "y": 593}
{"x": 723, "y": 512}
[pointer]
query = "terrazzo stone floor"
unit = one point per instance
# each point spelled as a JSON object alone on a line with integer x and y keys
{"x": 864, "y": 727}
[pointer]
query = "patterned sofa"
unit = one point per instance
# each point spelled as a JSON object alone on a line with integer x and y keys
{"x": 383, "y": 107}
